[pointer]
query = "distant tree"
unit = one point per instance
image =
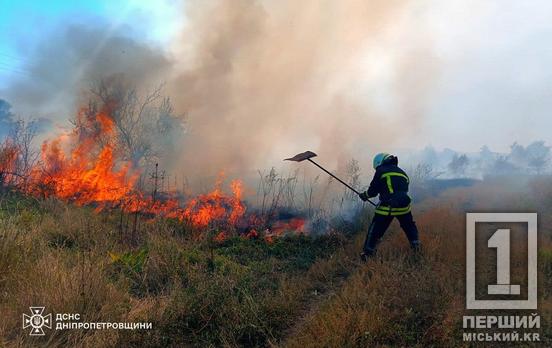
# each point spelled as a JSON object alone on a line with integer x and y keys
{"x": 535, "y": 157}
{"x": 503, "y": 166}
{"x": 485, "y": 160}
{"x": 458, "y": 164}
{"x": 485, "y": 153}
{"x": 538, "y": 156}
{"x": 518, "y": 154}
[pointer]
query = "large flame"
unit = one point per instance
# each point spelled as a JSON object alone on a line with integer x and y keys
{"x": 84, "y": 167}
{"x": 89, "y": 174}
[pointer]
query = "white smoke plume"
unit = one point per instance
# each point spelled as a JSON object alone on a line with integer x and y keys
{"x": 257, "y": 80}
{"x": 262, "y": 80}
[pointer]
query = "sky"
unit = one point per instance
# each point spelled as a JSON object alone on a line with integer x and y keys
{"x": 488, "y": 62}
{"x": 496, "y": 81}
{"x": 24, "y": 24}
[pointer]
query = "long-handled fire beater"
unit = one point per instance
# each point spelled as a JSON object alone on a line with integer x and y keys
{"x": 308, "y": 155}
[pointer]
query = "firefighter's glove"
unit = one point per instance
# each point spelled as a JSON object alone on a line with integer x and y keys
{"x": 363, "y": 196}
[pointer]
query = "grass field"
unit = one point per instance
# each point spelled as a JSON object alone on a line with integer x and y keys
{"x": 298, "y": 291}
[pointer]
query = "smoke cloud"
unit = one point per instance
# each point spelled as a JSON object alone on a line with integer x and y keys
{"x": 258, "y": 80}
{"x": 73, "y": 57}
{"x": 264, "y": 80}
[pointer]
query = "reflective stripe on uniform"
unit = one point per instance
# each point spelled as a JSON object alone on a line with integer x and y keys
{"x": 392, "y": 213}
{"x": 384, "y": 175}
{"x": 389, "y": 184}
{"x": 388, "y": 176}
{"x": 385, "y": 210}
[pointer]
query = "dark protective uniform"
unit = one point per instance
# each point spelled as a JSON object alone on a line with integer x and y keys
{"x": 391, "y": 183}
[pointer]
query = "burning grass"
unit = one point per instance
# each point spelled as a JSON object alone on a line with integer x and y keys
{"x": 86, "y": 167}
{"x": 78, "y": 236}
{"x": 195, "y": 292}
{"x": 297, "y": 291}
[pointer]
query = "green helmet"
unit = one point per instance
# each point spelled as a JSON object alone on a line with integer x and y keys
{"x": 379, "y": 158}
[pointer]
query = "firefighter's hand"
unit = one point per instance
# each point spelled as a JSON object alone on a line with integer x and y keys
{"x": 363, "y": 196}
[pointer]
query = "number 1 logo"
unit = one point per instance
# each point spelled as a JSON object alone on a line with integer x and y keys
{"x": 500, "y": 240}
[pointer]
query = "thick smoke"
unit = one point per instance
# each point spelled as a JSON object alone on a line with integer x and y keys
{"x": 72, "y": 58}
{"x": 263, "y": 80}
{"x": 258, "y": 80}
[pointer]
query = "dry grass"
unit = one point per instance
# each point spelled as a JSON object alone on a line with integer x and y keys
{"x": 298, "y": 292}
{"x": 398, "y": 299}
{"x": 73, "y": 260}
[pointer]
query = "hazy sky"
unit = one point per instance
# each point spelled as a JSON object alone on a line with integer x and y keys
{"x": 24, "y": 24}
{"x": 491, "y": 81}
{"x": 496, "y": 82}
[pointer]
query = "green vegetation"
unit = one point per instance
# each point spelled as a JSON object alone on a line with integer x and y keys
{"x": 195, "y": 292}
{"x": 298, "y": 291}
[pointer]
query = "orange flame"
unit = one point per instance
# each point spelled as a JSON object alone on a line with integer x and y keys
{"x": 92, "y": 174}
{"x": 83, "y": 167}
{"x": 221, "y": 237}
{"x": 89, "y": 174}
{"x": 216, "y": 206}
{"x": 296, "y": 225}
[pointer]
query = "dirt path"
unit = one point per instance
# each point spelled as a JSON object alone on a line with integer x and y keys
{"x": 340, "y": 266}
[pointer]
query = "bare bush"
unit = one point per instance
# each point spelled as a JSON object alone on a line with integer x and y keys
{"x": 145, "y": 122}
{"x": 18, "y": 156}
{"x": 8, "y": 155}
{"x": 423, "y": 172}
{"x": 352, "y": 172}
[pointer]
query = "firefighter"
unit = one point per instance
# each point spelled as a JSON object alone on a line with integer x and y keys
{"x": 391, "y": 184}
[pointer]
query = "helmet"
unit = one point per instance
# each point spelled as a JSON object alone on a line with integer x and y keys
{"x": 379, "y": 159}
